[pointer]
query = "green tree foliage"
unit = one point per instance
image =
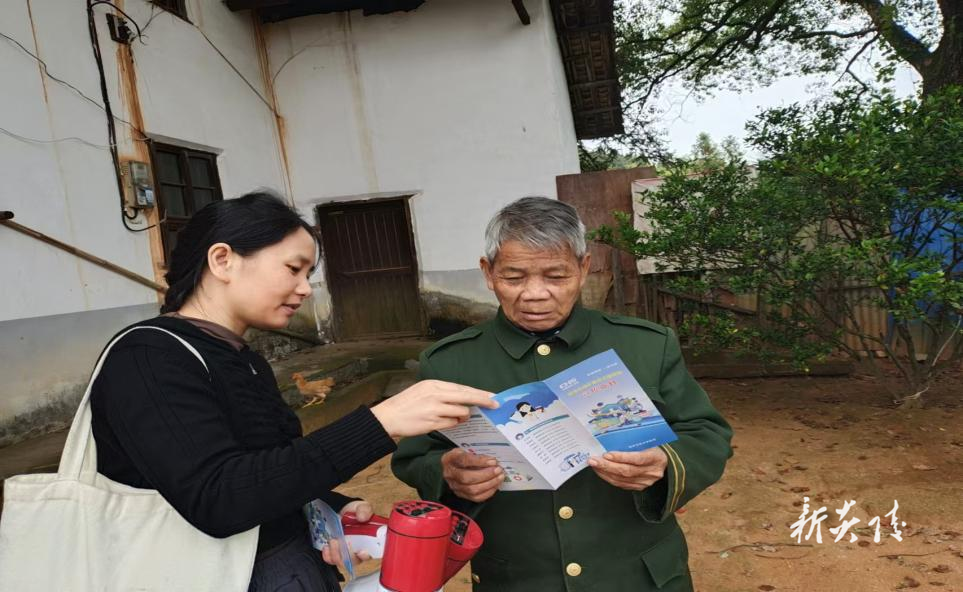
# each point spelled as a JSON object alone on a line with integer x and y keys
{"x": 736, "y": 44}
{"x": 706, "y": 154}
{"x": 855, "y": 205}
{"x": 709, "y": 43}
{"x": 603, "y": 158}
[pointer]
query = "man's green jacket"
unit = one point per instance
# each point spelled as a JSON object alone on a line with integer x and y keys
{"x": 587, "y": 535}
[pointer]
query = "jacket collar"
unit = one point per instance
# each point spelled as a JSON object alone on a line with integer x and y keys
{"x": 213, "y": 329}
{"x": 517, "y": 342}
{"x": 186, "y": 328}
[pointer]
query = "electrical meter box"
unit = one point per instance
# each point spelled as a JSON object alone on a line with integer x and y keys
{"x": 140, "y": 185}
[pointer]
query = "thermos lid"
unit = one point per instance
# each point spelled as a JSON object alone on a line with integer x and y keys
{"x": 420, "y": 519}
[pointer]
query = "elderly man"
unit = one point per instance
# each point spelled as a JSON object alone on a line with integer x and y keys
{"x": 608, "y": 529}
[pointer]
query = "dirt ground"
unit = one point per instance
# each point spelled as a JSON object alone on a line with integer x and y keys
{"x": 833, "y": 440}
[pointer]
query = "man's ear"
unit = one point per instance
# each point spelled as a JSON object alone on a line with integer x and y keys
{"x": 583, "y": 268}
{"x": 488, "y": 270}
{"x": 220, "y": 261}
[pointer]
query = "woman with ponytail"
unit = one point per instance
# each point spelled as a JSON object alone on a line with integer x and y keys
{"x": 218, "y": 442}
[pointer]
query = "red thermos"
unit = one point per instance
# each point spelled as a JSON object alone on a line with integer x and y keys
{"x": 416, "y": 547}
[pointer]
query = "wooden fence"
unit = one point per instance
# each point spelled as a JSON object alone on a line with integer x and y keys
{"x": 660, "y": 304}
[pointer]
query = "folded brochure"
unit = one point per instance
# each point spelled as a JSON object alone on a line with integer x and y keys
{"x": 324, "y": 524}
{"x": 544, "y": 432}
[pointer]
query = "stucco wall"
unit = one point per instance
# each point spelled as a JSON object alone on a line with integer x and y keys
{"x": 47, "y": 361}
{"x": 456, "y": 102}
{"x": 187, "y": 92}
{"x": 57, "y": 311}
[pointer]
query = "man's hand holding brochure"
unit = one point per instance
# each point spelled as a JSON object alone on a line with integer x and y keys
{"x": 545, "y": 432}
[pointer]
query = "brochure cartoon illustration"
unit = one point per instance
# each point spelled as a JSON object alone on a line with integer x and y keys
{"x": 544, "y": 432}
{"x": 324, "y": 524}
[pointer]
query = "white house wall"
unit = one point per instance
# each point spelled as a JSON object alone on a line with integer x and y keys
{"x": 457, "y": 102}
{"x": 56, "y": 311}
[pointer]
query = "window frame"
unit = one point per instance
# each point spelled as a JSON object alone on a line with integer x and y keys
{"x": 166, "y": 223}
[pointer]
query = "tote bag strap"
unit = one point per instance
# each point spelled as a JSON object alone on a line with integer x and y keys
{"x": 79, "y": 458}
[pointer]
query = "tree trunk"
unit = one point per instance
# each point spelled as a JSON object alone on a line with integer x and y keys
{"x": 912, "y": 402}
{"x": 919, "y": 381}
{"x": 945, "y": 66}
{"x": 946, "y": 69}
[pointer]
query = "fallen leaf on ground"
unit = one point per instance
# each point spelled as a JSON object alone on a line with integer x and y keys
{"x": 767, "y": 548}
{"x": 908, "y": 582}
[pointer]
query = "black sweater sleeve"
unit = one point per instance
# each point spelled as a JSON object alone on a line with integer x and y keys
{"x": 161, "y": 407}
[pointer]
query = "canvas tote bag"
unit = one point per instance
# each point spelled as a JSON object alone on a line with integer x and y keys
{"x": 78, "y": 531}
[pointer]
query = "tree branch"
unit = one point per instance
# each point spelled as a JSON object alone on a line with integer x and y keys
{"x": 904, "y": 43}
{"x": 811, "y": 34}
{"x": 689, "y": 57}
{"x": 852, "y": 60}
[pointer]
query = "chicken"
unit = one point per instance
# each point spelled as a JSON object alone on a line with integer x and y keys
{"x": 314, "y": 390}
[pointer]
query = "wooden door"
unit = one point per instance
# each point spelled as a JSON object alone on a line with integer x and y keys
{"x": 369, "y": 257}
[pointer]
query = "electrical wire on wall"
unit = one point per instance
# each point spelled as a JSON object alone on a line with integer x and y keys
{"x": 46, "y": 72}
{"x": 140, "y": 33}
{"x": 154, "y": 13}
{"x": 106, "y": 106}
{"x": 27, "y": 140}
{"x": 236, "y": 71}
{"x": 111, "y": 128}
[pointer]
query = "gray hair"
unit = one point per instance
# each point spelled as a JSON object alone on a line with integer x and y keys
{"x": 539, "y": 223}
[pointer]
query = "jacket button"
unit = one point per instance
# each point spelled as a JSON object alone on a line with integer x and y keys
{"x": 573, "y": 569}
{"x": 565, "y": 512}
{"x": 475, "y": 578}
{"x": 544, "y": 349}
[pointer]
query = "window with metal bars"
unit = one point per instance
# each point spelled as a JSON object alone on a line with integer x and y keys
{"x": 186, "y": 181}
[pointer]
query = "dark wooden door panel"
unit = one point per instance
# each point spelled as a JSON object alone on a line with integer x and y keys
{"x": 371, "y": 268}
